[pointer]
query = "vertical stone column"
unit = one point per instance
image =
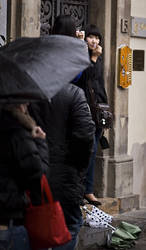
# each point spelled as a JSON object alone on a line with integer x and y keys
{"x": 30, "y": 18}
{"x": 120, "y": 164}
{"x": 3, "y": 20}
{"x": 24, "y": 19}
{"x": 114, "y": 168}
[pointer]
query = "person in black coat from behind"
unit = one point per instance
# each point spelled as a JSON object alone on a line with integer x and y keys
{"x": 23, "y": 159}
{"x": 70, "y": 130}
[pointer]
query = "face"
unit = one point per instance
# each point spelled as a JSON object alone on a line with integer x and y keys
{"x": 93, "y": 41}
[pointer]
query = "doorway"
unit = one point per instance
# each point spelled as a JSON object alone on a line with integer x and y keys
{"x": 50, "y": 9}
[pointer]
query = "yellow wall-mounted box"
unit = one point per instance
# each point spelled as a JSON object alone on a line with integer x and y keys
{"x": 125, "y": 66}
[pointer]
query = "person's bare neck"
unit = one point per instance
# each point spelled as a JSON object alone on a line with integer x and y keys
{"x": 94, "y": 58}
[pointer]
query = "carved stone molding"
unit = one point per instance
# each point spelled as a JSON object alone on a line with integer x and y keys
{"x": 77, "y": 9}
{"x": 46, "y": 16}
{"x": 51, "y": 8}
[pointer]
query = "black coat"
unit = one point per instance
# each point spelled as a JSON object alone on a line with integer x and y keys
{"x": 95, "y": 74}
{"x": 92, "y": 77}
{"x": 68, "y": 123}
{"x": 21, "y": 162}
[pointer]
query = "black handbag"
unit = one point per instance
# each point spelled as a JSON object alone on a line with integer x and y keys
{"x": 101, "y": 113}
{"x": 104, "y": 117}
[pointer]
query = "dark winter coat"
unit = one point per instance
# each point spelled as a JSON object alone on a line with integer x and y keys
{"x": 20, "y": 167}
{"x": 68, "y": 123}
{"x": 95, "y": 74}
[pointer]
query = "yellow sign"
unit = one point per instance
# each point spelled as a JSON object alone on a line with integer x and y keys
{"x": 125, "y": 69}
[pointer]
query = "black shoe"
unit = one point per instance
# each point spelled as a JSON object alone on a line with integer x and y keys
{"x": 92, "y": 202}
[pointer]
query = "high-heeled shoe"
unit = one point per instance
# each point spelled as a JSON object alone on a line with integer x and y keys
{"x": 93, "y": 202}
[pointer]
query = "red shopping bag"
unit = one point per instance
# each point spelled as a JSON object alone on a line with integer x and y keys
{"x": 46, "y": 223}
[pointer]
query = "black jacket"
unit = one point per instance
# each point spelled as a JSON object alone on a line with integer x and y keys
{"x": 95, "y": 74}
{"x": 68, "y": 123}
{"x": 20, "y": 167}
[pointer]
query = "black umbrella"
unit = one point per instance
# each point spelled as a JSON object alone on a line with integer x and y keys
{"x": 37, "y": 68}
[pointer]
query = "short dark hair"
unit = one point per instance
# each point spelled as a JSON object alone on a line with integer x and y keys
{"x": 92, "y": 29}
{"x": 64, "y": 25}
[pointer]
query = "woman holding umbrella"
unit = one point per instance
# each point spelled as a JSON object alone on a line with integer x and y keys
{"x": 23, "y": 158}
{"x": 26, "y": 74}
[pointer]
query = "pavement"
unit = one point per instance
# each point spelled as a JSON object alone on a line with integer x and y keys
{"x": 95, "y": 239}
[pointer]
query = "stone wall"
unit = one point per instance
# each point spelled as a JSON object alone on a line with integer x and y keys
{"x": 114, "y": 167}
{"x": 3, "y": 20}
{"x": 137, "y": 117}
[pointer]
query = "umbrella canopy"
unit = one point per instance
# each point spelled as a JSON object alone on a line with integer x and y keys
{"x": 37, "y": 68}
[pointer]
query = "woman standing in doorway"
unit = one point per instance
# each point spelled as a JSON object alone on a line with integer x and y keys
{"x": 93, "y": 75}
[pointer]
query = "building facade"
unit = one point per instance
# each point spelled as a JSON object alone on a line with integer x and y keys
{"x": 137, "y": 100}
{"x": 120, "y": 170}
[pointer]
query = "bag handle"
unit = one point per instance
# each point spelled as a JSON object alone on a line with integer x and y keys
{"x": 92, "y": 99}
{"x": 45, "y": 187}
{"x": 92, "y": 94}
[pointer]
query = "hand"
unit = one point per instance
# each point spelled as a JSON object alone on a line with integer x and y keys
{"x": 80, "y": 34}
{"x": 97, "y": 51}
{"x": 37, "y": 132}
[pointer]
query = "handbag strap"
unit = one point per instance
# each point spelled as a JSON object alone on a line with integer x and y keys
{"x": 45, "y": 187}
{"x": 92, "y": 94}
{"x": 92, "y": 99}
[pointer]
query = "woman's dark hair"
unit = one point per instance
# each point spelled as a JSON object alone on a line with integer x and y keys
{"x": 64, "y": 25}
{"x": 92, "y": 29}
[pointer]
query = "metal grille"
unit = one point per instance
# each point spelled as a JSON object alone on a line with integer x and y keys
{"x": 52, "y": 8}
